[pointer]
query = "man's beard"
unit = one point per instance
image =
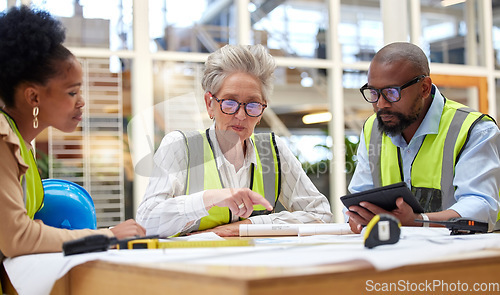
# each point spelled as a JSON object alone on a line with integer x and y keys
{"x": 404, "y": 121}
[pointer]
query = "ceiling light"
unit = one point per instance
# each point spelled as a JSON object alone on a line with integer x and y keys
{"x": 446, "y": 3}
{"x": 317, "y": 118}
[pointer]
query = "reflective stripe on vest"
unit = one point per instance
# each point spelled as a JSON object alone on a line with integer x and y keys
{"x": 30, "y": 181}
{"x": 203, "y": 174}
{"x": 432, "y": 170}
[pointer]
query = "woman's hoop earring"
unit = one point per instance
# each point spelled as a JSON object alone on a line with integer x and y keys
{"x": 35, "y": 117}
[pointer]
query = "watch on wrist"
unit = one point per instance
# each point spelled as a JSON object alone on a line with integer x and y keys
{"x": 426, "y": 218}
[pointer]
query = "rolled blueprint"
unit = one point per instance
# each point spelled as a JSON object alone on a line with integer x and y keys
{"x": 325, "y": 229}
{"x": 260, "y": 230}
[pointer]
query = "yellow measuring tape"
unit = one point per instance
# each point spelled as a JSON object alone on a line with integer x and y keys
{"x": 156, "y": 244}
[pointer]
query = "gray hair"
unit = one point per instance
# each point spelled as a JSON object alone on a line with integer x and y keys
{"x": 403, "y": 51}
{"x": 230, "y": 59}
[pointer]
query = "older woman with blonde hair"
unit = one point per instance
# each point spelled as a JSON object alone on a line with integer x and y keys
{"x": 216, "y": 179}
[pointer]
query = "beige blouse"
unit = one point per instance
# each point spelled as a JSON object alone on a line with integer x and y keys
{"x": 20, "y": 235}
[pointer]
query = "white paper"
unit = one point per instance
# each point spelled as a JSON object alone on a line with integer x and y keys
{"x": 206, "y": 236}
{"x": 36, "y": 274}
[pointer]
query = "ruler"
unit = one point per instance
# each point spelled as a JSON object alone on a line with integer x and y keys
{"x": 156, "y": 244}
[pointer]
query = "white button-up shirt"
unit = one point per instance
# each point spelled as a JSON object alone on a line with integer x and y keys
{"x": 166, "y": 211}
{"x": 477, "y": 172}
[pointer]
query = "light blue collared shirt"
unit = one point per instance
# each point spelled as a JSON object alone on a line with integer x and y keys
{"x": 477, "y": 173}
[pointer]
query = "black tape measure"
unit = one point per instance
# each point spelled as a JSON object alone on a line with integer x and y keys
{"x": 381, "y": 230}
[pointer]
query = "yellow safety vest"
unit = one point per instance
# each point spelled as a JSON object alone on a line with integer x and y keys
{"x": 432, "y": 170}
{"x": 203, "y": 173}
{"x": 30, "y": 181}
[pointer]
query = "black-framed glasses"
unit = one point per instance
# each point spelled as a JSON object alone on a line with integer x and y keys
{"x": 391, "y": 94}
{"x": 231, "y": 106}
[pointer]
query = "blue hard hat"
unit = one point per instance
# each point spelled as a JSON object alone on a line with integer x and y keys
{"x": 66, "y": 205}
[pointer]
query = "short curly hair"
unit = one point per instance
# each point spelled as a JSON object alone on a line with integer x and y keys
{"x": 230, "y": 59}
{"x": 30, "y": 49}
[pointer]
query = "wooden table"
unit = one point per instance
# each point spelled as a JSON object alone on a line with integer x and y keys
{"x": 100, "y": 277}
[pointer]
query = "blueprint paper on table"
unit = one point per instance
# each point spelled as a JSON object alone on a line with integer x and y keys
{"x": 290, "y": 251}
{"x": 260, "y": 230}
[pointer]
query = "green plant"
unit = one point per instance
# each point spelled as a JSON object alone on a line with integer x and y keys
{"x": 42, "y": 162}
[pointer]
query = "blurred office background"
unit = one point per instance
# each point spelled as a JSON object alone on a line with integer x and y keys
{"x": 143, "y": 61}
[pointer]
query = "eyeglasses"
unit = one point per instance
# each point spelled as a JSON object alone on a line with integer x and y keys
{"x": 391, "y": 94}
{"x": 231, "y": 106}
